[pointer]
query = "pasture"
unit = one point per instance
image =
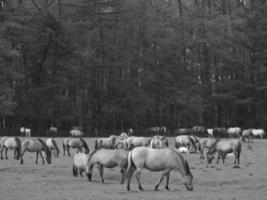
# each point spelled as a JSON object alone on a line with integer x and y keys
{"x": 215, "y": 182}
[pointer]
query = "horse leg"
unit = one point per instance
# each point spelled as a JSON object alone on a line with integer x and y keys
{"x": 68, "y": 150}
{"x": 6, "y": 149}
{"x": 164, "y": 173}
{"x": 137, "y": 175}
{"x": 89, "y": 172}
{"x": 21, "y": 156}
{"x": 218, "y": 157}
{"x": 130, "y": 175}
{"x": 122, "y": 175}
{"x": 36, "y": 161}
{"x": 2, "y": 148}
{"x": 167, "y": 180}
{"x": 42, "y": 157}
{"x": 101, "y": 172}
{"x": 81, "y": 172}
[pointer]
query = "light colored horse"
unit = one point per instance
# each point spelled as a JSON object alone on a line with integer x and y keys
{"x": 80, "y": 164}
{"x": 210, "y": 132}
{"x": 25, "y": 131}
{"x": 108, "y": 143}
{"x": 52, "y": 145}
{"x": 247, "y": 134}
{"x": 133, "y": 142}
{"x": 76, "y": 133}
{"x": 185, "y": 141}
{"x": 121, "y": 144}
{"x": 52, "y": 131}
{"x": 10, "y": 143}
{"x": 108, "y": 158}
{"x": 156, "y": 143}
{"x": 223, "y": 147}
{"x": 258, "y": 133}
{"x": 164, "y": 140}
{"x": 164, "y": 160}
{"x": 76, "y": 143}
{"x": 205, "y": 143}
{"x": 234, "y": 132}
{"x": 35, "y": 145}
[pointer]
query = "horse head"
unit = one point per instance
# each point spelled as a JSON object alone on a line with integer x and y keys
{"x": 188, "y": 178}
{"x": 85, "y": 146}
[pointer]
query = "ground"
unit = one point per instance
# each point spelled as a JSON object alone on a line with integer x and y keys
{"x": 217, "y": 181}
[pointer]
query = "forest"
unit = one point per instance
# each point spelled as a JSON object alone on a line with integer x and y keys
{"x": 110, "y": 65}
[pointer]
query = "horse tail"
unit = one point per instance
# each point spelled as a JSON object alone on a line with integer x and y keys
{"x": 96, "y": 145}
{"x": 55, "y": 145}
{"x": 129, "y": 167}
{"x": 74, "y": 170}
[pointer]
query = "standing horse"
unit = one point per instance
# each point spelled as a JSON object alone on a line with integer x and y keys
{"x": 35, "y": 145}
{"x": 25, "y": 131}
{"x": 52, "y": 131}
{"x": 199, "y": 131}
{"x": 185, "y": 141}
{"x": 76, "y": 133}
{"x": 183, "y": 131}
{"x": 10, "y": 143}
{"x": 219, "y": 132}
{"x": 205, "y": 143}
{"x": 223, "y": 147}
{"x": 80, "y": 164}
{"x": 163, "y": 139}
{"x": 78, "y": 143}
{"x": 258, "y": 133}
{"x": 108, "y": 143}
{"x": 234, "y": 132}
{"x": 133, "y": 142}
{"x": 156, "y": 143}
{"x": 108, "y": 158}
{"x": 52, "y": 145}
{"x": 156, "y": 160}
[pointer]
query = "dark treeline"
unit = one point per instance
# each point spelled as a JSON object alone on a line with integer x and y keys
{"x": 110, "y": 65}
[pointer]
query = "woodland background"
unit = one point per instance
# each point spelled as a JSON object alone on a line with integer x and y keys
{"x": 110, "y": 65}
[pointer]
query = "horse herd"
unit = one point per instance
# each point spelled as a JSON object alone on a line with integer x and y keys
{"x": 131, "y": 154}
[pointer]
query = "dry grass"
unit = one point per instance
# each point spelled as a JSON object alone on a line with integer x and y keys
{"x": 31, "y": 181}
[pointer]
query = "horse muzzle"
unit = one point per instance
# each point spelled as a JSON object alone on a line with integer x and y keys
{"x": 189, "y": 187}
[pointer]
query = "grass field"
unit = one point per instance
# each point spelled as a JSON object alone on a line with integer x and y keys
{"x": 30, "y": 181}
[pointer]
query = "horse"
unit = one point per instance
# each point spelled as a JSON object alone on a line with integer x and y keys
{"x": 163, "y": 130}
{"x": 133, "y": 142}
{"x": 78, "y": 143}
{"x": 156, "y": 143}
{"x": 76, "y": 133}
{"x": 108, "y": 143}
{"x": 108, "y": 158}
{"x": 10, "y": 143}
{"x": 80, "y": 164}
{"x": 164, "y": 160}
{"x": 164, "y": 140}
{"x": 223, "y": 147}
{"x": 52, "y": 145}
{"x": 258, "y": 133}
{"x": 185, "y": 141}
{"x": 247, "y": 133}
{"x": 35, "y": 145}
{"x": 210, "y": 132}
{"x": 25, "y": 131}
{"x": 153, "y": 130}
{"x": 219, "y": 132}
{"x": 121, "y": 144}
{"x": 183, "y": 131}
{"x": 199, "y": 130}
{"x": 205, "y": 143}
{"x": 234, "y": 132}
{"x": 52, "y": 131}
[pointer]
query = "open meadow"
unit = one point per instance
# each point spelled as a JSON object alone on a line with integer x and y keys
{"x": 215, "y": 182}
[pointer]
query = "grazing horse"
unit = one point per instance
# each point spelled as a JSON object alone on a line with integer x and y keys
{"x": 234, "y": 132}
{"x": 108, "y": 143}
{"x": 163, "y": 139}
{"x": 76, "y": 133}
{"x": 185, "y": 141}
{"x": 80, "y": 164}
{"x": 108, "y": 158}
{"x": 205, "y": 143}
{"x": 10, "y": 143}
{"x": 164, "y": 160}
{"x": 247, "y": 133}
{"x": 52, "y": 131}
{"x": 25, "y": 131}
{"x": 223, "y": 147}
{"x": 258, "y": 133}
{"x": 219, "y": 132}
{"x": 133, "y": 142}
{"x": 210, "y": 132}
{"x": 52, "y": 145}
{"x": 78, "y": 143}
{"x": 156, "y": 143}
{"x": 35, "y": 145}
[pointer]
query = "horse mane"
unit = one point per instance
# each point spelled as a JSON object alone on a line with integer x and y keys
{"x": 186, "y": 165}
{"x": 192, "y": 142}
{"x": 84, "y": 143}
{"x": 43, "y": 143}
{"x": 217, "y": 140}
{"x": 55, "y": 145}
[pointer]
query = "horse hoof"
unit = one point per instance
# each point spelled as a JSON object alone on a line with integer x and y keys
{"x": 167, "y": 188}
{"x": 156, "y": 188}
{"x": 140, "y": 188}
{"x": 128, "y": 188}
